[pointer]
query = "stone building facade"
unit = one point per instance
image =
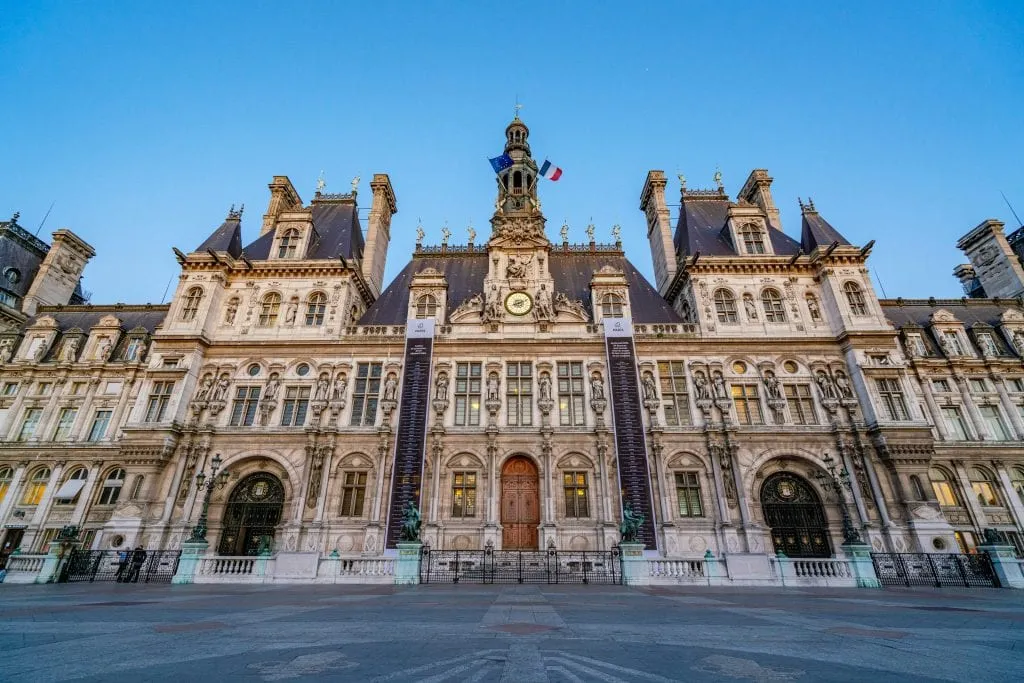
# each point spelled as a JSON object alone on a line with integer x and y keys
{"x": 760, "y": 366}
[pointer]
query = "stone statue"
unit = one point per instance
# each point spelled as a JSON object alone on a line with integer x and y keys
{"x": 105, "y": 349}
{"x": 650, "y": 387}
{"x": 6, "y": 350}
{"x": 544, "y": 386}
{"x": 700, "y": 386}
{"x": 748, "y": 305}
{"x": 988, "y": 347}
{"x": 231, "y": 312}
{"x": 543, "y": 309}
{"x": 771, "y": 385}
{"x": 322, "y": 385}
{"x": 812, "y": 307}
{"x": 631, "y": 523}
{"x": 205, "y": 388}
{"x": 441, "y": 387}
{"x": 355, "y": 184}
{"x": 590, "y": 232}
{"x": 843, "y": 384}
{"x": 390, "y": 388}
{"x": 445, "y": 234}
{"x": 273, "y": 386}
{"x": 493, "y": 387}
{"x": 69, "y": 351}
{"x": 290, "y": 312}
{"x": 564, "y": 303}
{"x": 472, "y": 233}
{"x": 420, "y": 234}
{"x": 411, "y": 521}
{"x": 518, "y": 267}
{"x": 340, "y": 384}
{"x": 564, "y": 232}
{"x": 719, "y": 382}
{"x": 596, "y": 387}
{"x": 42, "y": 349}
{"x": 493, "y": 306}
{"x": 221, "y": 392}
{"x": 826, "y": 385}
{"x": 617, "y": 232}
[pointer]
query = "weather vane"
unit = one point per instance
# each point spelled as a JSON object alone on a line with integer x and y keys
{"x": 517, "y": 108}
{"x": 320, "y": 183}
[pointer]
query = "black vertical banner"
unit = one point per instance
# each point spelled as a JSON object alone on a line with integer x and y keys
{"x": 628, "y": 421}
{"x": 411, "y": 439}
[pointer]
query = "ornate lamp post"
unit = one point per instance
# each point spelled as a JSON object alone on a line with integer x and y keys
{"x": 208, "y": 483}
{"x": 837, "y": 482}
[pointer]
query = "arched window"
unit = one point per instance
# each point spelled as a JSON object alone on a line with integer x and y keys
{"x": 36, "y": 486}
{"x": 725, "y": 306}
{"x": 191, "y": 306}
{"x": 111, "y": 490}
{"x": 915, "y": 487}
{"x": 269, "y": 309}
{"x": 774, "y": 312}
{"x": 984, "y": 486}
{"x": 753, "y": 239}
{"x": 137, "y": 486}
{"x": 6, "y": 476}
{"x": 943, "y": 487}
{"x": 426, "y": 306}
{"x": 316, "y": 304}
{"x": 72, "y": 487}
{"x": 288, "y": 247}
{"x": 611, "y": 306}
{"x": 517, "y": 180}
{"x": 855, "y": 298}
{"x": 1016, "y": 479}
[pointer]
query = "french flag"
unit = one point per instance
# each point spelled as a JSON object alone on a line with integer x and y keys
{"x": 550, "y": 171}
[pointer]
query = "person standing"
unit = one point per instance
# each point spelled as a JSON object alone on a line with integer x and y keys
{"x": 122, "y": 566}
{"x": 138, "y": 559}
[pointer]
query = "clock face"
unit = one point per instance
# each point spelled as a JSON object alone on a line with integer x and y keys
{"x": 518, "y": 303}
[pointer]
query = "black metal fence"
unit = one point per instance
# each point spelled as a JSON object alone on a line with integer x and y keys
{"x": 149, "y": 566}
{"x": 520, "y": 566}
{"x": 934, "y": 569}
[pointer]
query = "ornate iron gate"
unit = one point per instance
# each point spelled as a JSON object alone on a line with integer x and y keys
{"x": 152, "y": 566}
{"x": 520, "y": 566}
{"x": 934, "y": 569}
{"x": 794, "y": 513}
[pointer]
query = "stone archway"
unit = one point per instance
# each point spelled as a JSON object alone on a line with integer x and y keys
{"x": 796, "y": 516}
{"x": 252, "y": 513}
{"x": 520, "y": 504}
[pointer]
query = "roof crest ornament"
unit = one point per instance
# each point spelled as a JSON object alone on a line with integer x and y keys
{"x": 14, "y": 217}
{"x": 565, "y": 231}
{"x": 355, "y": 185}
{"x": 617, "y": 232}
{"x": 320, "y": 182}
{"x": 718, "y": 179}
{"x": 808, "y": 207}
{"x": 235, "y": 215}
{"x": 420, "y": 233}
{"x": 682, "y": 181}
{"x": 471, "y": 231}
{"x": 590, "y": 229}
{"x": 516, "y": 109}
{"x": 445, "y": 233}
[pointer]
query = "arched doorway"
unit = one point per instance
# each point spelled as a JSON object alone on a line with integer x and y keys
{"x": 797, "y": 519}
{"x": 253, "y": 511}
{"x": 520, "y": 504}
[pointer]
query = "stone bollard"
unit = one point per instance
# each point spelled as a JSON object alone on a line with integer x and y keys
{"x": 711, "y": 567}
{"x": 635, "y": 571}
{"x": 192, "y": 553}
{"x": 859, "y": 556}
{"x": 57, "y": 555}
{"x": 1007, "y": 567}
{"x": 407, "y": 566}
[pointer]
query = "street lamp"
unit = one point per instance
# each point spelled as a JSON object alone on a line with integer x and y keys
{"x": 208, "y": 483}
{"x": 837, "y": 482}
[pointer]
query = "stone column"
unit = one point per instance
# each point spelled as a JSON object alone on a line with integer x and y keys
{"x": 933, "y": 407}
{"x": 1013, "y": 500}
{"x": 435, "y": 487}
{"x": 1008, "y": 406}
{"x": 973, "y": 416}
{"x": 858, "y": 500}
{"x": 876, "y": 491}
{"x": 973, "y": 508}
{"x": 14, "y": 491}
{"x": 85, "y": 495}
{"x": 326, "y": 477}
{"x": 307, "y": 471}
{"x": 719, "y": 481}
{"x": 51, "y": 487}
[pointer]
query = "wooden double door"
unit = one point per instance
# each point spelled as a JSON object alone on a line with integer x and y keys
{"x": 520, "y": 504}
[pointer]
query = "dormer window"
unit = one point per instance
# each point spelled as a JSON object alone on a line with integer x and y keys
{"x": 951, "y": 342}
{"x": 289, "y": 244}
{"x": 753, "y": 239}
{"x": 611, "y": 306}
{"x": 426, "y": 306}
{"x": 855, "y": 298}
{"x": 191, "y": 305}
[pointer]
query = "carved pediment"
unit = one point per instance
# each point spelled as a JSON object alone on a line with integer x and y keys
{"x": 1012, "y": 316}
{"x": 943, "y": 316}
{"x": 109, "y": 321}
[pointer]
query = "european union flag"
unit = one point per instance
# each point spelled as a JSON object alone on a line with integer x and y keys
{"x": 499, "y": 164}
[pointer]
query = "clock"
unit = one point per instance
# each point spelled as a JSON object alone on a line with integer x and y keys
{"x": 518, "y": 303}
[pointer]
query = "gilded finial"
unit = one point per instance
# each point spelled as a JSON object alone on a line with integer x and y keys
{"x": 565, "y": 231}
{"x": 617, "y": 232}
{"x": 471, "y": 231}
{"x": 320, "y": 183}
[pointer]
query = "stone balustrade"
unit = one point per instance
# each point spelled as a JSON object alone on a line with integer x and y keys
{"x": 24, "y": 568}
{"x": 677, "y": 571}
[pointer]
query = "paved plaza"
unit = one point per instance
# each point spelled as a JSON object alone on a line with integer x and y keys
{"x": 507, "y": 633}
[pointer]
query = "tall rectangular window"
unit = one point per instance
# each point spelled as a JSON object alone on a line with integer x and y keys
{"x": 366, "y": 394}
{"x": 65, "y": 420}
{"x": 243, "y": 410}
{"x": 10, "y": 388}
{"x": 577, "y": 498}
{"x": 801, "y": 405}
{"x": 994, "y": 419}
{"x": 353, "y": 493}
{"x": 978, "y": 385}
{"x": 159, "y": 397}
{"x": 468, "y": 383}
{"x": 296, "y": 402}
{"x": 29, "y": 423}
{"x": 1016, "y": 384}
{"x": 940, "y": 385}
{"x": 688, "y": 493}
{"x": 674, "y": 394}
{"x": 892, "y": 398}
{"x": 99, "y": 424}
{"x": 955, "y": 421}
{"x": 570, "y": 394}
{"x": 519, "y": 394}
{"x": 464, "y": 494}
{"x": 748, "y": 404}
{"x": 953, "y": 343}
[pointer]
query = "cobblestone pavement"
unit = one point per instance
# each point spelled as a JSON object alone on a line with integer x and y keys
{"x": 507, "y": 633}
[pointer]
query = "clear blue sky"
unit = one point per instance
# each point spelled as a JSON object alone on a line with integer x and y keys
{"x": 146, "y": 121}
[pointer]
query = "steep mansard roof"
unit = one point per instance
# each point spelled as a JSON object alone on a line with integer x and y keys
{"x": 702, "y": 227}
{"x": 228, "y": 238}
{"x": 145, "y": 316}
{"x": 817, "y": 232}
{"x": 973, "y": 313}
{"x": 571, "y": 271}
{"x": 336, "y": 232}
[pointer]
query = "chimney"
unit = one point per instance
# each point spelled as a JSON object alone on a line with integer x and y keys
{"x": 996, "y": 265}
{"x": 659, "y": 231}
{"x": 758, "y": 191}
{"x": 283, "y": 197}
{"x": 378, "y": 232}
{"x": 59, "y": 272}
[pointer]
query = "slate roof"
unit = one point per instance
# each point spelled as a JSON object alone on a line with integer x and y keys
{"x": 148, "y": 316}
{"x": 15, "y": 253}
{"x": 228, "y": 237}
{"x": 971, "y": 312}
{"x": 817, "y": 232}
{"x": 337, "y": 232}
{"x": 702, "y": 227}
{"x": 571, "y": 271}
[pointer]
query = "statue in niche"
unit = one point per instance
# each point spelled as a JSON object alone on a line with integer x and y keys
{"x": 221, "y": 392}
{"x": 69, "y": 351}
{"x": 596, "y": 387}
{"x": 40, "y": 350}
{"x": 812, "y": 307}
{"x": 105, "y": 349}
{"x": 493, "y": 387}
{"x": 441, "y": 387}
{"x": 231, "y": 312}
{"x": 843, "y": 384}
{"x": 543, "y": 310}
{"x": 771, "y": 385}
{"x": 390, "y": 388}
{"x": 273, "y": 386}
{"x": 291, "y": 311}
{"x": 826, "y": 385}
{"x": 205, "y": 388}
{"x": 518, "y": 267}
{"x": 988, "y": 347}
{"x": 544, "y": 386}
{"x": 340, "y": 384}
{"x": 493, "y": 307}
{"x": 322, "y": 386}
{"x": 700, "y": 386}
{"x": 1018, "y": 341}
{"x": 719, "y": 382}
{"x": 750, "y": 307}
{"x": 6, "y": 350}
{"x": 650, "y": 387}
